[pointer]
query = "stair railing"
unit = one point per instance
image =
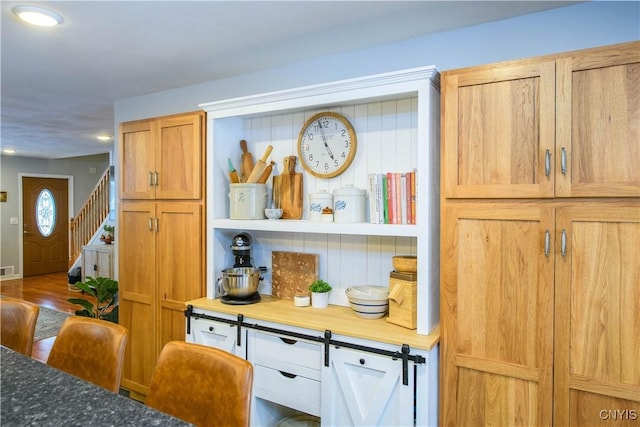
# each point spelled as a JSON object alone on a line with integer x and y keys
{"x": 89, "y": 219}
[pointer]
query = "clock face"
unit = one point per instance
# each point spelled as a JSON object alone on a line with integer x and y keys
{"x": 327, "y": 144}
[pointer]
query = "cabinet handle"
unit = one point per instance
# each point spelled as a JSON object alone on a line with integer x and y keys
{"x": 362, "y": 361}
{"x": 150, "y": 224}
{"x": 211, "y": 329}
{"x": 287, "y": 374}
{"x": 157, "y": 228}
{"x": 563, "y": 243}
{"x": 547, "y": 162}
{"x": 288, "y": 341}
{"x": 150, "y": 179}
{"x": 547, "y": 242}
{"x": 155, "y": 178}
{"x": 563, "y": 161}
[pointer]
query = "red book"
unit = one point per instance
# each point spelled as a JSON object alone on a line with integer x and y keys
{"x": 408, "y": 189}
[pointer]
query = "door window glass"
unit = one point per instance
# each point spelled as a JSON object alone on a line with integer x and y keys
{"x": 46, "y": 212}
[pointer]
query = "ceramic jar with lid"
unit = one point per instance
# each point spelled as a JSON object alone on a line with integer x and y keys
{"x": 349, "y": 204}
{"x": 318, "y": 202}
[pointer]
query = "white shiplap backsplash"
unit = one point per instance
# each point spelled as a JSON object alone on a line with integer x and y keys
{"x": 387, "y": 142}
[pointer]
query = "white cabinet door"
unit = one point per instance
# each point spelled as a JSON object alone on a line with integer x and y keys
{"x": 97, "y": 261}
{"x": 217, "y": 334}
{"x": 364, "y": 389}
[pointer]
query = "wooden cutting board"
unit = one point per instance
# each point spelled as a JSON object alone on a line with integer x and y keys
{"x": 291, "y": 271}
{"x": 287, "y": 190}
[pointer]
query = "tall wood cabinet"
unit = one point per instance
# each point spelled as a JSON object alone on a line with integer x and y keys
{"x": 540, "y": 227}
{"x": 161, "y": 235}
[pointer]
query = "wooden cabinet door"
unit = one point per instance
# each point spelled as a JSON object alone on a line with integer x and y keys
{"x": 179, "y": 156}
{"x": 597, "y": 332}
{"x": 364, "y": 389}
{"x": 497, "y": 314}
{"x": 498, "y": 126}
{"x": 598, "y": 116}
{"x": 180, "y": 265}
{"x": 137, "y": 290}
{"x": 137, "y": 160}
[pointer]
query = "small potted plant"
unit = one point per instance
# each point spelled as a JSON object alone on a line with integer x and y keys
{"x": 104, "y": 293}
{"x": 320, "y": 293}
{"x": 107, "y": 236}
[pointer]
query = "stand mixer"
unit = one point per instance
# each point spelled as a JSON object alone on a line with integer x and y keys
{"x": 241, "y": 281}
{"x": 241, "y": 248}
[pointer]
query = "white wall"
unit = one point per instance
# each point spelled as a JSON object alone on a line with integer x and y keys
{"x": 579, "y": 26}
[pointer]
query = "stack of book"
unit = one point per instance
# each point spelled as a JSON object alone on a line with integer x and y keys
{"x": 392, "y": 198}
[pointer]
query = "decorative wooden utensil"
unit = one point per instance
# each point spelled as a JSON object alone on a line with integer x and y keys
{"x": 233, "y": 173}
{"x": 246, "y": 161}
{"x": 287, "y": 190}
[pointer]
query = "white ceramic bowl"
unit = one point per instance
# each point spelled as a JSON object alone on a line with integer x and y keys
{"x": 368, "y": 302}
{"x": 273, "y": 213}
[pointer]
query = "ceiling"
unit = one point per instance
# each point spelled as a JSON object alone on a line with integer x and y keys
{"x": 59, "y": 84}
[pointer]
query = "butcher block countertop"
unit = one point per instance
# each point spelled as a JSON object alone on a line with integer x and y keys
{"x": 339, "y": 320}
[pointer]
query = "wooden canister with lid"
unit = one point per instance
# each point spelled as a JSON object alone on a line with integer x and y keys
{"x": 403, "y": 299}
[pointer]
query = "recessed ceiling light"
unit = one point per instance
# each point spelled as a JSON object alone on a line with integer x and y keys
{"x": 9, "y": 151}
{"x": 37, "y": 16}
{"x": 104, "y": 137}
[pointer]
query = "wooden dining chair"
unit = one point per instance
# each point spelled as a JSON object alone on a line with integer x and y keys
{"x": 203, "y": 385}
{"x": 90, "y": 349}
{"x": 18, "y": 326}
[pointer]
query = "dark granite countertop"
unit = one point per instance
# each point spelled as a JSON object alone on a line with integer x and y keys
{"x": 35, "y": 394}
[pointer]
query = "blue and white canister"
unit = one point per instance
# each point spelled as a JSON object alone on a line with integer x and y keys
{"x": 318, "y": 202}
{"x": 349, "y": 204}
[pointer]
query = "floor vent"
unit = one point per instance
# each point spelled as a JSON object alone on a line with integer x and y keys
{"x": 7, "y": 271}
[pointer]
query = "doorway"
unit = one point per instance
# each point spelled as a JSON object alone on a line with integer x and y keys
{"x": 45, "y": 222}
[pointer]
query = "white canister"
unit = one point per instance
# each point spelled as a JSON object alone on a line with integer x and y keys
{"x": 349, "y": 204}
{"x": 247, "y": 201}
{"x": 318, "y": 202}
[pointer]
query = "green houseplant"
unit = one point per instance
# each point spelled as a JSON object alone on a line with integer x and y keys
{"x": 105, "y": 293}
{"x": 320, "y": 293}
{"x": 107, "y": 236}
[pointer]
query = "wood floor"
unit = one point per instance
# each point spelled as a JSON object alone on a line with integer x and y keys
{"x": 49, "y": 290}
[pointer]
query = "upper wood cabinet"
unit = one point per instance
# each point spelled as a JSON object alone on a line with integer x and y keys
{"x": 598, "y": 123}
{"x": 558, "y": 126}
{"x": 162, "y": 158}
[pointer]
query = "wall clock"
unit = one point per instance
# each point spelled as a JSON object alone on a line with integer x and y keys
{"x": 327, "y": 144}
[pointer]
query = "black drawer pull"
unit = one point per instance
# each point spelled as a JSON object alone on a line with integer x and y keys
{"x": 288, "y": 375}
{"x": 288, "y": 341}
{"x": 211, "y": 329}
{"x": 362, "y": 361}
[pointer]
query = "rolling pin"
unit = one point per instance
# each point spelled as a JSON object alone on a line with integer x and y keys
{"x": 267, "y": 171}
{"x": 258, "y": 169}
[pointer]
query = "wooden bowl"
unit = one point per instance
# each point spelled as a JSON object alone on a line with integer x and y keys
{"x": 405, "y": 263}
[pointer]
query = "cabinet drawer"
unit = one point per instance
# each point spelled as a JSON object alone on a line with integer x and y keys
{"x": 215, "y": 334}
{"x": 284, "y": 388}
{"x": 287, "y": 355}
